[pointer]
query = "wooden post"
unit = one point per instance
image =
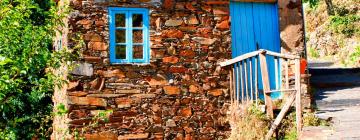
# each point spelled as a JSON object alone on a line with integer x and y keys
{"x": 246, "y": 80}
{"x": 256, "y": 80}
{"x": 241, "y": 82}
{"x": 251, "y": 81}
{"x": 281, "y": 115}
{"x": 298, "y": 95}
{"x": 231, "y": 84}
{"x": 266, "y": 84}
{"x": 287, "y": 85}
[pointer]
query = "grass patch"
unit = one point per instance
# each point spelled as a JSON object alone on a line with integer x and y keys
{"x": 310, "y": 119}
{"x": 313, "y": 53}
{"x": 247, "y": 122}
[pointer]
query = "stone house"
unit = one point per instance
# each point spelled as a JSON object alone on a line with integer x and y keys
{"x": 149, "y": 68}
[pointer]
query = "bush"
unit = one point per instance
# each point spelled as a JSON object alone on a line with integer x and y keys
{"x": 345, "y": 24}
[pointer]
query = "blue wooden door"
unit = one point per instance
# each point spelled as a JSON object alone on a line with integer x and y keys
{"x": 256, "y": 26}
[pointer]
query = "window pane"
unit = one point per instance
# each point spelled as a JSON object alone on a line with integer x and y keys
{"x": 120, "y": 52}
{"x": 137, "y": 36}
{"x": 120, "y": 20}
{"x": 137, "y": 20}
{"x": 120, "y": 36}
{"x": 138, "y": 52}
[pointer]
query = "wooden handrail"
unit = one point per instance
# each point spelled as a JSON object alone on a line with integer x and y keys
{"x": 252, "y": 54}
{"x": 239, "y": 58}
{"x": 287, "y": 56}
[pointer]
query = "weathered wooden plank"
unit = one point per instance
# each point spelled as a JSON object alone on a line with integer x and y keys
{"x": 287, "y": 85}
{"x": 266, "y": 84}
{"x": 281, "y": 115}
{"x": 276, "y": 62}
{"x": 288, "y": 56}
{"x": 298, "y": 96}
{"x": 251, "y": 81}
{"x": 237, "y": 82}
{"x": 239, "y": 58}
{"x": 246, "y": 80}
{"x": 242, "y": 82}
{"x": 281, "y": 90}
{"x": 231, "y": 84}
{"x": 256, "y": 80}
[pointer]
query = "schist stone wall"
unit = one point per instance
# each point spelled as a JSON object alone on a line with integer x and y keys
{"x": 182, "y": 94}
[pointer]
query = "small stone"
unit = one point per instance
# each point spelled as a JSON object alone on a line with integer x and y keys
{"x": 158, "y": 23}
{"x": 171, "y": 59}
{"x": 85, "y": 23}
{"x": 188, "y": 137}
{"x": 155, "y": 108}
{"x": 186, "y": 112}
{"x": 204, "y": 41}
{"x": 113, "y": 73}
{"x": 173, "y": 33}
{"x": 187, "y": 53}
{"x": 173, "y": 22}
{"x": 192, "y": 20}
{"x": 97, "y": 46}
{"x": 83, "y": 69}
{"x": 189, "y": 6}
{"x": 133, "y": 136}
{"x": 179, "y": 136}
{"x": 130, "y": 91}
{"x": 177, "y": 69}
{"x": 206, "y": 86}
{"x": 106, "y": 95}
{"x": 168, "y": 4}
{"x": 193, "y": 89}
{"x": 123, "y": 102}
{"x": 223, "y": 25}
{"x": 86, "y": 101}
{"x": 144, "y": 95}
{"x": 216, "y": 92}
{"x": 101, "y": 136}
{"x": 77, "y": 93}
{"x": 170, "y": 123}
{"x": 97, "y": 84}
{"x": 92, "y": 37}
{"x": 93, "y": 59}
{"x": 188, "y": 129}
{"x": 72, "y": 85}
{"x": 172, "y": 90}
{"x": 99, "y": 23}
{"x": 220, "y": 11}
{"x": 156, "y": 81}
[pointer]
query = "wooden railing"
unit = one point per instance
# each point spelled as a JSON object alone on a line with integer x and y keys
{"x": 245, "y": 71}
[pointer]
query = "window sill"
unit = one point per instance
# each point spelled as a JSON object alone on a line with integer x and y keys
{"x": 130, "y": 64}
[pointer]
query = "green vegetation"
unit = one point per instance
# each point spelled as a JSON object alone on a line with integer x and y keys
{"x": 313, "y": 53}
{"x": 332, "y": 27}
{"x": 27, "y": 30}
{"x": 247, "y": 122}
{"x": 310, "y": 119}
{"x": 312, "y": 3}
{"x": 345, "y": 24}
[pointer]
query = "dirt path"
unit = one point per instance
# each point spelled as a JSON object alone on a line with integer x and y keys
{"x": 337, "y": 95}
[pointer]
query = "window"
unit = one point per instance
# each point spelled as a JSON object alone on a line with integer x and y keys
{"x": 129, "y": 35}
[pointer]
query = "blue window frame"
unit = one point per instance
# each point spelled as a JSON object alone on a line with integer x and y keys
{"x": 129, "y": 35}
